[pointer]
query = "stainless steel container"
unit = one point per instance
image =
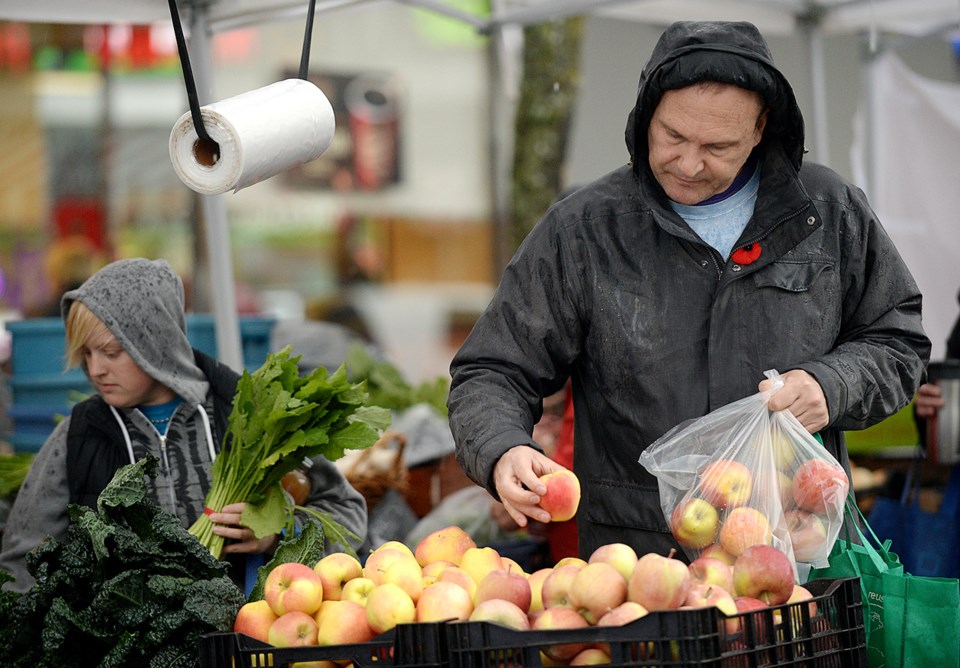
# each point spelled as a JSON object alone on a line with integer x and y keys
{"x": 943, "y": 430}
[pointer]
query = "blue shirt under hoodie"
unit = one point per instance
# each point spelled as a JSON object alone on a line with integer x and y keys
{"x": 721, "y": 219}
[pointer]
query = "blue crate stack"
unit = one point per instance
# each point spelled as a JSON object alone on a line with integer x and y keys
{"x": 42, "y": 392}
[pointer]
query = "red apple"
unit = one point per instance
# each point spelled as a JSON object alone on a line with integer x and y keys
{"x": 799, "y": 594}
{"x": 619, "y": 555}
{"x": 500, "y": 611}
{"x": 626, "y": 612}
{"x": 591, "y": 656}
{"x": 446, "y": 544}
{"x": 335, "y": 569}
{"x": 764, "y": 572}
{"x": 659, "y": 582}
{"x": 562, "y": 497}
{"x": 748, "y": 604}
{"x": 555, "y": 590}
{"x": 694, "y": 523}
{"x": 713, "y": 571}
{"x": 383, "y": 558}
{"x": 254, "y": 619}
{"x": 716, "y": 550}
{"x": 431, "y": 572}
{"x": 293, "y": 586}
{"x": 560, "y": 617}
{"x": 293, "y": 629}
{"x": 726, "y": 483}
{"x": 743, "y": 527}
{"x": 597, "y": 589}
{"x": 702, "y": 595}
{"x": 459, "y": 577}
{"x": 820, "y": 485}
{"x": 513, "y": 587}
{"x": 808, "y": 535}
{"x": 444, "y": 600}
{"x": 343, "y": 623}
{"x": 407, "y": 574}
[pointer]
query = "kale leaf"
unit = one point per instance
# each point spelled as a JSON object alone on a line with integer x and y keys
{"x": 128, "y": 586}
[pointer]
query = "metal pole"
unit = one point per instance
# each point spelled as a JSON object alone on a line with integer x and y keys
{"x": 818, "y": 84}
{"x": 222, "y": 291}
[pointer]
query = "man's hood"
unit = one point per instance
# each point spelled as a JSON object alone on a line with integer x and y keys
{"x": 727, "y": 52}
{"x": 142, "y": 304}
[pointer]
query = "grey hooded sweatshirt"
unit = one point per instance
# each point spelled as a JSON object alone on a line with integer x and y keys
{"x": 142, "y": 304}
{"x": 615, "y": 291}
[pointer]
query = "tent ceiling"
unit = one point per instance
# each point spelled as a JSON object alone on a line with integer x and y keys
{"x": 911, "y": 17}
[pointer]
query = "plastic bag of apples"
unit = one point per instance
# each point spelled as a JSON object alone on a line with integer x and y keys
{"x": 744, "y": 475}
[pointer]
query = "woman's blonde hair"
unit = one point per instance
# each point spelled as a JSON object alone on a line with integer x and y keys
{"x": 82, "y": 327}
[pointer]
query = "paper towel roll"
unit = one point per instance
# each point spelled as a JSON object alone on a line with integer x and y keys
{"x": 261, "y": 133}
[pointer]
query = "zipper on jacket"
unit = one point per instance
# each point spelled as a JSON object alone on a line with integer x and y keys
{"x": 166, "y": 467}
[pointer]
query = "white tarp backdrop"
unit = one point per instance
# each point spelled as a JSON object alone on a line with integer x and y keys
{"x": 813, "y": 17}
{"x": 917, "y": 199}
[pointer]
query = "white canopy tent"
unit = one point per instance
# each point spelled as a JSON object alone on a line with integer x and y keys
{"x": 203, "y": 18}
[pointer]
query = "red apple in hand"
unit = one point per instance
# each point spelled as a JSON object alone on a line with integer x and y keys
{"x": 764, "y": 572}
{"x": 694, "y": 523}
{"x": 726, "y": 483}
{"x": 562, "y": 497}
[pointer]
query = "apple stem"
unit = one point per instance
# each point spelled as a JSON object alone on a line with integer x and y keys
{"x": 672, "y": 552}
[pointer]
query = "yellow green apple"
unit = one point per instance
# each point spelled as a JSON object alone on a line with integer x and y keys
{"x": 335, "y": 569}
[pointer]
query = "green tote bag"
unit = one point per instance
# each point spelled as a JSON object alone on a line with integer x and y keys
{"x": 922, "y": 617}
{"x": 870, "y": 560}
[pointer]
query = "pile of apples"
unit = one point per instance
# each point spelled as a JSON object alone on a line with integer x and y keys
{"x": 728, "y": 510}
{"x": 449, "y": 577}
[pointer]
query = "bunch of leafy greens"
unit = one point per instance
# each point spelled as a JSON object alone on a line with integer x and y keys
{"x": 387, "y": 387}
{"x": 278, "y": 419}
{"x": 129, "y": 586}
{"x": 13, "y": 470}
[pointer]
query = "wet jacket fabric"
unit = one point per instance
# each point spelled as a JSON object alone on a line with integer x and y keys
{"x": 654, "y": 327}
{"x": 141, "y": 302}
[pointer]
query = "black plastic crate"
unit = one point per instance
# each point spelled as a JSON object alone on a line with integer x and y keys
{"x": 408, "y": 645}
{"x": 834, "y": 636}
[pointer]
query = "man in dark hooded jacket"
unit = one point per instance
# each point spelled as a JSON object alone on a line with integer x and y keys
{"x": 666, "y": 288}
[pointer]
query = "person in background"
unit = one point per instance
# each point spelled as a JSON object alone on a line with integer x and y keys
{"x": 664, "y": 289}
{"x": 155, "y": 395}
{"x": 929, "y": 397}
{"x": 67, "y": 263}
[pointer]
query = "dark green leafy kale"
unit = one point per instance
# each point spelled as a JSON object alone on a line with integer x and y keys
{"x": 129, "y": 586}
